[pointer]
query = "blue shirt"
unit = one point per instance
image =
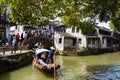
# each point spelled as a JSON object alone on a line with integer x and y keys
{"x": 51, "y": 53}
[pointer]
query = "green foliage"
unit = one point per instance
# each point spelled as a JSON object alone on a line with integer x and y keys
{"x": 34, "y": 12}
{"x": 87, "y": 27}
{"x": 83, "y": 51}
{"x": 115, "y": 21}
{"x": 78, "y": 52}
{"x": 70, "y": 48}
{"x": 86, "y": 51}
{"x": 92, "y": 51}
{"x": 64, "y": 53}
{"x": 105, "y": 10}
{"x": 72, "y": 12}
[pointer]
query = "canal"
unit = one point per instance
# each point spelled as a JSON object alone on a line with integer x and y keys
{"x": 98, "y": 67}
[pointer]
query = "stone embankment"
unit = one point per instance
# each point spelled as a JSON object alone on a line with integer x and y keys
{"x": 13, "y": 61}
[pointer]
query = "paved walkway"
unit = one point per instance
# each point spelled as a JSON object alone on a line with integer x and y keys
{"x": 17, "y": 52}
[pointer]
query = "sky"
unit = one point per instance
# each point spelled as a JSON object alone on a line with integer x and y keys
{"x": 103, "y": 24}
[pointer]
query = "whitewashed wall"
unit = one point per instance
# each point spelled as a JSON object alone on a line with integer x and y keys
{"x": 91, "y": 45}
{"x": 104, "y": 45}
{"x": 69, "y": 30}
{"x": 78, "y": 35}
{"x": 57, "y": 45}
{"x": 83, "y": 40}
{"x": 68, "y": 42}
{"x": 20, "y": 29}
{"x": 15, "y": 30}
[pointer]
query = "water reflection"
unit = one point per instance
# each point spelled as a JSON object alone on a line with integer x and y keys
{"x": 26, "y": 73}
{"x": 99, "y": 67}
{"x": 106, "y": 73}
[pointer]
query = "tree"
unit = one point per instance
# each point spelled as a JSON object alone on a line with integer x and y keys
{"x": 72, "y": 12}
{"x": 26, "y": 12}
{"x": 104, "y": 10}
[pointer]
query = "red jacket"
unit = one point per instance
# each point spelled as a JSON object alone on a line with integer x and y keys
{"x": 17, "y": 37}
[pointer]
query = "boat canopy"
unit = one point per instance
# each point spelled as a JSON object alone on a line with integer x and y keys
{"x": 39, "y": 51}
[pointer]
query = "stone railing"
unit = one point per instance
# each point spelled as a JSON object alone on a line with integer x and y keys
{"x": 6, "y": 49}
{"x": 9, "y": 62}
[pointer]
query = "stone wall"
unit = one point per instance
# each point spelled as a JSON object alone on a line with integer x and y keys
{"x": 2, "y": 49}
{"x": 15, "y": 61}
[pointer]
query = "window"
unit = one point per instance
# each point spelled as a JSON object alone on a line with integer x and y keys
{"x": 60, "y": 40}
{"x": 77, "y": 30}
{"x": 73, "y": 29}
{"x": 79, "y": 41}
{"x": 93, "y": 41}
{"x": 89, "y": 41}
{"x": 103, "y": 40}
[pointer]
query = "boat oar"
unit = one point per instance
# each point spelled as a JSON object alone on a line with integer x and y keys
{"x": 54, "y": 68}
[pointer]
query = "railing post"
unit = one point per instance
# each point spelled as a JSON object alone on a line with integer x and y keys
{"x": 20, "y": 49}
{"x": 4, "y": 48}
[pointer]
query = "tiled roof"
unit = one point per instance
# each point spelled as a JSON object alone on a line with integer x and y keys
{"x": 65, "y": 34}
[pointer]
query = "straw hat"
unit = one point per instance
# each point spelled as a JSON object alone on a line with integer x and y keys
{"x": 52, "y": 48}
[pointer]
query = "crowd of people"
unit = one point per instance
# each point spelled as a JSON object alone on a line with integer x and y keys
{"x": 8, "y": 41}
{"x": 14, "y": 40}
{"x": 18, "y": 38}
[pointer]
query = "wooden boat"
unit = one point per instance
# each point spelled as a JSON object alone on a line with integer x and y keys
{"x": 44, "y": 68}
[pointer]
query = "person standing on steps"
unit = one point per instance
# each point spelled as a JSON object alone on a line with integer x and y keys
{"x": 17, "y": 37}
{"x": 22, "y": 37}
{"x": 14, "y": 45}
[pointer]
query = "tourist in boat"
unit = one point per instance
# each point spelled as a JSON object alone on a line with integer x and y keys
{"x": 44, "y": 56}
{"x": 43, "y": 59}
{"x": 44, "y": 64}
{"x": 40, "y": 61}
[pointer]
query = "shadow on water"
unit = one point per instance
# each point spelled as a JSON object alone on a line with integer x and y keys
{"x": 96, "y": 72}
{"x": 104, "y": 72}
{"x": 48, "y": 75}
{"x": 97, "y": 67}
{"x": 25, "y": 73}
{"x": 5, "y": 76}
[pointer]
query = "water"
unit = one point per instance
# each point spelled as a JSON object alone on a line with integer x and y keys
{"x": 29, "y": 72}
{"x": 98, "y": 67}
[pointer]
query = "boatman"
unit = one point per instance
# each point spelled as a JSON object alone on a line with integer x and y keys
{"x": 50, "y": 55}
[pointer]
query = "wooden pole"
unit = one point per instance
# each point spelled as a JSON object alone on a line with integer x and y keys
{"x": 4, "y": 48}
{"x": 20, "y": 49}
{"x": 54, "y": 67}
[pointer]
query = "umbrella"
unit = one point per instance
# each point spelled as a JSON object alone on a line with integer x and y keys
{"x": 39, "y": 51}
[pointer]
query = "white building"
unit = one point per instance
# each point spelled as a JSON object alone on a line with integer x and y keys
{"x": 102, "y": 39}
{"x": 16, "y": 29}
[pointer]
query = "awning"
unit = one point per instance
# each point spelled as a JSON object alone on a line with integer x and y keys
{"x": 39, "y": 51}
